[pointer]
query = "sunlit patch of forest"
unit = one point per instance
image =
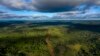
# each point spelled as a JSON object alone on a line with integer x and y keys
{"x": 60, "y": 40}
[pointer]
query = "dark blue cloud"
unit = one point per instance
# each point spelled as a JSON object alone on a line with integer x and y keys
{"x": 1, "y": 12}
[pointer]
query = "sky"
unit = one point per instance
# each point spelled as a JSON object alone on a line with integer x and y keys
{"x": 49, "y": 8}
{"x": 23, "y": 12}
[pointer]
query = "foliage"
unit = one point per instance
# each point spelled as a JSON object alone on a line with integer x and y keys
{"x": 65, "y": 41}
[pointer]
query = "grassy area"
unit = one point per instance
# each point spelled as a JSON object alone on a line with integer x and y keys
{"x": 48, "y": 41}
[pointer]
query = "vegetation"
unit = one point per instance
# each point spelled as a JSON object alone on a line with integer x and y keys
{"x": 61, "y": 40}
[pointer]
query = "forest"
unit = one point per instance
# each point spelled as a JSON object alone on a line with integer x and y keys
{"x": 64, "y": 39}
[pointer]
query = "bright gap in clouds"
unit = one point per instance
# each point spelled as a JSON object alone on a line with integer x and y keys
{"x": 32, "y": 13}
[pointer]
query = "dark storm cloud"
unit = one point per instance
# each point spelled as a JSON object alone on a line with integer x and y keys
{"x": 46, "y": 5}
{"x": 57, "y": 5}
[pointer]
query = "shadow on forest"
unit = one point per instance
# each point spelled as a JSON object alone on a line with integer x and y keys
{"x": 90, "y": 26}
{"x": 73, "y": 26}
{"x": 12, "y": 40}
{"x": 93, "y": 28}
{"x": 8, "y": 44}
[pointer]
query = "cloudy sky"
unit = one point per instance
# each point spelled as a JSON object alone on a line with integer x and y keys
{"x": 49, "y": 7}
